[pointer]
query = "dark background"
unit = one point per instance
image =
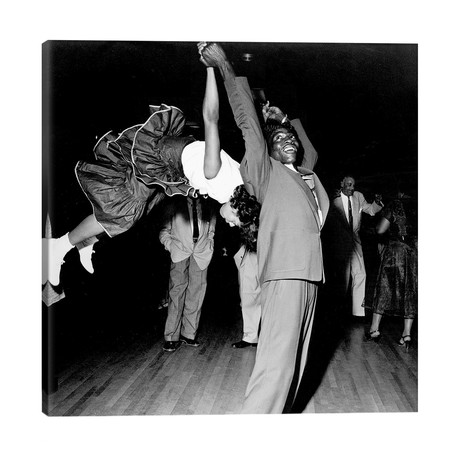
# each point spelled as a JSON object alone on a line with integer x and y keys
{"x": 357, "y": 102}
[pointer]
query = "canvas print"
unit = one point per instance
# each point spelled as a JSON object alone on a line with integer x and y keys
{"x": 229, "y": 228}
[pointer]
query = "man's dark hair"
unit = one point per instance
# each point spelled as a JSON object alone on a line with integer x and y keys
{"x": 248, "y": 209}
{"x": 272, "y": 125}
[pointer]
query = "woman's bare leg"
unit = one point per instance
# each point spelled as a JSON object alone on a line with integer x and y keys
{"x": 406, "y": 339}
{"x": 407, "y": 326}
{"x": 87, "y": 228}
{"x": 376, "y": 318}
{"x": 374, "y": 333}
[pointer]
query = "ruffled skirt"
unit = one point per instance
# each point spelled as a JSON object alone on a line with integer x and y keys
{"x": 134, "y": 170}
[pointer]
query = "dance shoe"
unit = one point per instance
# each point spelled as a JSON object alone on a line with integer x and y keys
{"x": 171, "y": 346}
{"x": 405, "y": 341}
{"x": 189, "y": 342}
{"x": 243, "y": 344}
{"x": 372, "y": 336}
{"x": 86, "y": 254}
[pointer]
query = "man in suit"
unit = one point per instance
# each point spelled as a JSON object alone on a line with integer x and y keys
{"x": 344, "y": 223}
{"x": 246, "y": 259}
{"x": 188, "y": 236}
{"x": 294, "y": 206}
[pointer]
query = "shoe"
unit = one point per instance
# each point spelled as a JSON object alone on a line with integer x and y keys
{"x": 171, "y": 346}
{"x": 372, "y": 336}
{"x": 86, "y": 255}
{"x": 189, "y": 342}
{"x": 243, "y": 344}
{"x": 405, "y": 341}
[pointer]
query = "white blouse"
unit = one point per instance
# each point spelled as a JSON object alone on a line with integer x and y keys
{"x": 227, "y": 179}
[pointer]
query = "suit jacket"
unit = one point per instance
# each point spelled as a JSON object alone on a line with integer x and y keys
{"x": 346, "y": 240}
{"x": 288, "y": 243}
{"x": 177, "y": 233}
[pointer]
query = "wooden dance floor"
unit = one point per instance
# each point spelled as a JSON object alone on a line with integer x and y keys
{"x": 128, "y": 373}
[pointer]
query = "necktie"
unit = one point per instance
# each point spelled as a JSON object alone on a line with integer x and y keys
{"x": 196, "y": 230}
{"x": 350, "y": 214}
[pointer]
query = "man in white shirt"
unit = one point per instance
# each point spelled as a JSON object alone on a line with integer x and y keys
{"x": 344, "y": 223}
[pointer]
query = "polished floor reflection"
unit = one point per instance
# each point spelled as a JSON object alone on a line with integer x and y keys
{"x": 128, "y": 373}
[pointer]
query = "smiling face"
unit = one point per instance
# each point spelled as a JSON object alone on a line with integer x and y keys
{"x": 283, "y": 146}
{"x": 230, "y": 215}
{"x": 348, "y": 186}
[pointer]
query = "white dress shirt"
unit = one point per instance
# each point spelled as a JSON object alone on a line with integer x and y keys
{"x": 345, "y": 204}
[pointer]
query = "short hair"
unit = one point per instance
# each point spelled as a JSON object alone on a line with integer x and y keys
{"x": 248, "y": 210}
{"x": 272, "y": 125}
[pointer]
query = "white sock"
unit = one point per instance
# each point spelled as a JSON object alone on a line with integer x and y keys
{"x": 55, "y": 250}
{"x": 85, "y": 257}
{"x": 63, "y": 244}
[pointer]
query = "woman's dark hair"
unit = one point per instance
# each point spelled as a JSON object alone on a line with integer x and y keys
{"x": 248, "y": 209}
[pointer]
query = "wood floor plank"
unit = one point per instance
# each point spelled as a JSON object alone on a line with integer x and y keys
{"x": 134, "y": 376}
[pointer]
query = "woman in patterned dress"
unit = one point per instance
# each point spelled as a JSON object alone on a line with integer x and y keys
{"x": 395, "y": 292}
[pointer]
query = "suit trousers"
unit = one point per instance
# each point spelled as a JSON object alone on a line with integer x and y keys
{"x": 248, "y": 277}
{"x": 356, "y": 274}
{"x": 288, "y": 308}
{"x": 187, "y": 288}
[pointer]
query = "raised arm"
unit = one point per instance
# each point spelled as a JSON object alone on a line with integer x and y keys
{"x": 255, "y": 165}
{"x": 213, "y": 55}
{"x": 273, "y": 112}
{"x": 372, "y": 208}
{"x": 310, "y": 156}
{"x": 212, "y": 161}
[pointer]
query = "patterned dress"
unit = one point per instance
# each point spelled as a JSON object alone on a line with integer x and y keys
{"x": 396, "y": 286}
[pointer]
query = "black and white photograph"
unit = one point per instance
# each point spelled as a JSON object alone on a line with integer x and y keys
{"x": 245, "y": 231}
{"x": 247, "y": 245}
